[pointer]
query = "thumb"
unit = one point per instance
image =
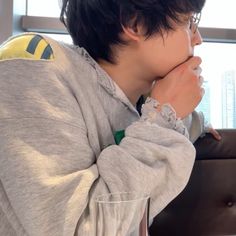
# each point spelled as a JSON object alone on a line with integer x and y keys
{"x": 194, "y": 62}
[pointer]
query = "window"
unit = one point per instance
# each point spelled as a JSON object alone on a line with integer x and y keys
{"x": 43, "y": 16}
{"x": 219, "y": 63}
{"x": 218, "y": 28}
{"x": 43, "y": 8}
{"x": 219, "y": 14}
{"x": 219, "y": 72}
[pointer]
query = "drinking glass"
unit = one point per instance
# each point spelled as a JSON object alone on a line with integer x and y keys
{"x": 122, "y": 214}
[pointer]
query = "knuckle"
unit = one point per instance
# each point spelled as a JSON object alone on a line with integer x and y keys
{"x": 194, "y": 78}
{"x": 201, "y": 93}
{"x": 198, "y": 60}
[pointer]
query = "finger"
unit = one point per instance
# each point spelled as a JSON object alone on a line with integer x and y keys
{"x": 194, "y": 62}
{"x": 201, "y": 80}
{"x": 215, "y": 134}
{"x": 202, "y": 92}
{"x": 198, "y": 70}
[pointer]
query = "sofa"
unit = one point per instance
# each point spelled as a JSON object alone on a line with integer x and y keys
{"x": 207, "y": 206}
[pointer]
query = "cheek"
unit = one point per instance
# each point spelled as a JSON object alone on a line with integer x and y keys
{"x": 181, "y": 48}
{"x": 177, "y": 51}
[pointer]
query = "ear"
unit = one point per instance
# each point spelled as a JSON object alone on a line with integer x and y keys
{"x": 134, "y": 33}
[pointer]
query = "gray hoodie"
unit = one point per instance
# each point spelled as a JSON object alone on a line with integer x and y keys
{"x": 58, "y": 117}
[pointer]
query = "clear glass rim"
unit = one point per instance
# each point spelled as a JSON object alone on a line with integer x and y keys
{"x": 137, "y": 197}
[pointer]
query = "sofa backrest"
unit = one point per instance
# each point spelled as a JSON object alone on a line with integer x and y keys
{"x": 207, "y": 206}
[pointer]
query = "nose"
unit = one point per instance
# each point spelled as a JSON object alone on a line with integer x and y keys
{"x": 196, "y": 38}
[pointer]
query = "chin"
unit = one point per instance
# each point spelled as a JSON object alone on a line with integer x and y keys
{"x": 173, "y": 65}
{"x": 168, "y": 70}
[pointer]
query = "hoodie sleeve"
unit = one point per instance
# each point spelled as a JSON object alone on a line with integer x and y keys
{"x": 154, "y": 157}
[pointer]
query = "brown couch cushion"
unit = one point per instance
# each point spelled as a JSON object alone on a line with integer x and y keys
{"x": 207, "y": 206}
{"x": 209, "y": 148}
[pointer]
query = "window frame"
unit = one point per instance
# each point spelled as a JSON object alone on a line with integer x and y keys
{"x": 53, "y": 25}
{"x": 42, "y": 24}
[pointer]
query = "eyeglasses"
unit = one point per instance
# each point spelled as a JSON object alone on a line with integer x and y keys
{"x": 194, "y": 21}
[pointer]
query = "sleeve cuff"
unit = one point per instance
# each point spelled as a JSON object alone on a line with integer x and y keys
{"x": 166, "y": 117}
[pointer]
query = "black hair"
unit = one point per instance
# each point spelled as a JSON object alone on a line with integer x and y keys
{"x": 96, "y": 25}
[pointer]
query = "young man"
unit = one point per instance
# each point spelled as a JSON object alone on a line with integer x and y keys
{"x": 65, "y": 109}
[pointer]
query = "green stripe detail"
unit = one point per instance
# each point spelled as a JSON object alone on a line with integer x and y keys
{"x": 119, "y": 135}
{"x": 33, "y": 44}
{"x": 47, "y": 53}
